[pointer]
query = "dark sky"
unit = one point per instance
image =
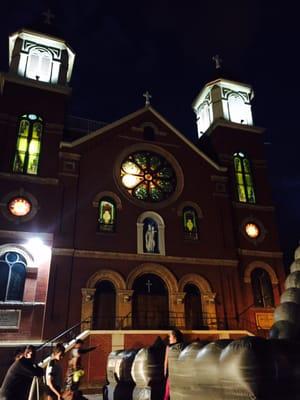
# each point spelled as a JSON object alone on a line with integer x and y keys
{"x": 126, "y": 47}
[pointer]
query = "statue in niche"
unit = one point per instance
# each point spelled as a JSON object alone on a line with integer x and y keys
{"x": 149, "y": 239}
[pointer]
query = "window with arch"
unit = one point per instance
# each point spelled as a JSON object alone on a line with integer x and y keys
{"x": 39, "y": 64}
{"x": 28, "y": 147}
{"x": 237, "y": 109}
{"x": 107, "y": 215}
{"x": 262, "y": 288}
{"x": 12, "y": 276}
{"x": 150, "y": 234}
{"x": 190, "y": 223}
{"x": 204, "y": 117}
{"x": 243, "y": 178}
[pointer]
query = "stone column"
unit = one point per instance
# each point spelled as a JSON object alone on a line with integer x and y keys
{"x": 176, "y": 309}
{"x": 124, "y": 308}
{"x": 209, "y": 309}
{"x": 87, "y": 305}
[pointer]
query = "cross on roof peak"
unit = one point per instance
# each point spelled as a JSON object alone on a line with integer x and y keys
{"x": 147, "y": 96}
{"x": 217, "y": 59}
{"x": 48, "y": 16}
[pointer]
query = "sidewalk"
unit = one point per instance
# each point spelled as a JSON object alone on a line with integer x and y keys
{"x": 94, "y": 396}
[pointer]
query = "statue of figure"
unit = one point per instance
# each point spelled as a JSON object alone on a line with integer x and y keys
{"x": 149, "y": 239}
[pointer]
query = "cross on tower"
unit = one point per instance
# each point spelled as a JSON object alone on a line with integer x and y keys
{"x": 148, "y": 284}
{"x": 217, "y": 59}
{"x": 147, "y": 96}
{"x": 48, "y": 16}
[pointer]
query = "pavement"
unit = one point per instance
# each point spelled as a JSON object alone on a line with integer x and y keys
{"x": 93, "y": 396}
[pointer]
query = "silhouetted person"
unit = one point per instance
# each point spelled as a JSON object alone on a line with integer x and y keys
{"x": 18, "y": 379}
{"x": 54, "y": 375}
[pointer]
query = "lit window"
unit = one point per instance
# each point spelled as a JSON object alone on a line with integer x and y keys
{"x": 19, "y": 207}
{"x": 28, "y": 145}
{"x": 243, "y": 178}
{"x": 12, "y": 276}
{"x": 204, "y": 119}
{"x": 262, "y": 288}
{"x": 107, "y": 215}
{"x": 190, "y": 224}
{"x": 237, "y": 109}
{"x": 148, "y": 176}
{"x": 252, "y": 230}
{"x": 39, "y": 65}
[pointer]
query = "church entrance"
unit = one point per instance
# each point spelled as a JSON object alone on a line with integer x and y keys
{"x": 104, "y": 312}
{"x": 193, "y": 307}
{"x": 150, "y": 309}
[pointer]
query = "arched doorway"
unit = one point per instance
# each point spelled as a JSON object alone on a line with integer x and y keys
{"x": 150, "y": 308}
{"x": 193, "y": 307}
{"x": 104, "y": 310}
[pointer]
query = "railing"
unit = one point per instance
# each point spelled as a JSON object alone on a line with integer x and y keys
{"x": 66, "y": 336}
{"x": 161, "y": 320}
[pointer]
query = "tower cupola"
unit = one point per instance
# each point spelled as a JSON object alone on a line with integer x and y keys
{"x": 223, "y": 99}
{"x": 40, "y": 57}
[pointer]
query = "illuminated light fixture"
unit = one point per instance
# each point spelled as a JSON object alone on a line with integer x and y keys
{"x": 252, "y": 230}
{"x": 19, "y": 207}
{"x": 40, "y": 251}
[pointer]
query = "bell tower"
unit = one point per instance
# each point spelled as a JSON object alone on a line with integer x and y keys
{"x": 223, "y": 99}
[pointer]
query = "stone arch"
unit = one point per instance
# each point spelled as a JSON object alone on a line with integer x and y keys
{"x": 156, "y": 269}
{"x": 106, "y": 275}
{"x": 189, "y": 204}
{"x": 198, "y": 280}
{"x": 207, "y": 297}
{"x": 107, "y": 193}
{"x": 89, "y": 291}
{"x": 18, "y": 249}
{"x": 260, "y": 264}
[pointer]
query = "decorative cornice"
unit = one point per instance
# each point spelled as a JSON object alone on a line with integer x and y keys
{"x": 69, "y": 156}
{"x": 29, "y": 178}
{"x": 252, "y": 207}
{"x": 25, "y": 235}
{"x": 33, "y": 83}
{"x": 259, "y": 253}
{"x": 144, "y": 257}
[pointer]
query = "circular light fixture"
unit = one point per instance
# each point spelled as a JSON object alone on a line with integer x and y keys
{"x": 19, "y": 207}
{"x": 252, "y": 230}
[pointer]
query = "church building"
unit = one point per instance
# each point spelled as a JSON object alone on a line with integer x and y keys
{"x": 131, "y": 225}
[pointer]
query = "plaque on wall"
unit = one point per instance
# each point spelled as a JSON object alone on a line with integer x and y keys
{"x": 10, "y": 319}
{"x": 264, "y": 320}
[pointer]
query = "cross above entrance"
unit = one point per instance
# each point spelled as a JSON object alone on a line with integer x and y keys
{"x": 148, "y": 284}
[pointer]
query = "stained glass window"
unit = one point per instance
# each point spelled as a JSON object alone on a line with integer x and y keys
{"x": 190, "y": 224}
{"x": 148, "y": 176}
{"x": 28, "y": 145}
{"x": 243, "y": 179}
{"x": 262, "y": 288}
{"x": 107, "y": 215}
{"x": 12, "y": 276}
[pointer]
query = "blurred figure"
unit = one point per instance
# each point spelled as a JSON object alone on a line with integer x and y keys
{"x": 54, "y": 375}
{"x": 175, "y": 346}
{"x": 18, "y": 379}
{"x": 75, "y": 371}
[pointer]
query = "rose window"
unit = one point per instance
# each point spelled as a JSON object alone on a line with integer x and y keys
{"x": 19, "y": 207}
{"x": 148, "y": 176}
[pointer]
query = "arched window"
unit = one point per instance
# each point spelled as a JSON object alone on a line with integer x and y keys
{"x": 150, "y": 234}
{"x": 190, "y": 223}
{"x": 243, "y": 178}
{"x": 262, "y": 288}
{"x": 107, "y": 215}
{"x": 12, "y": 276}
{"x": 28, "y": 145}
{"x": 39, "y": 64}
{"x": 237, "y": 109}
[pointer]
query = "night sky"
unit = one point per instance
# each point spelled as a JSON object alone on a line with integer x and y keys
{"x": 124, "y": 48}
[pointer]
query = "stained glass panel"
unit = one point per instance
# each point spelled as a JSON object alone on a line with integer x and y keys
{"x": 243, "y": 177}
{"x": 148, "y": 176}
